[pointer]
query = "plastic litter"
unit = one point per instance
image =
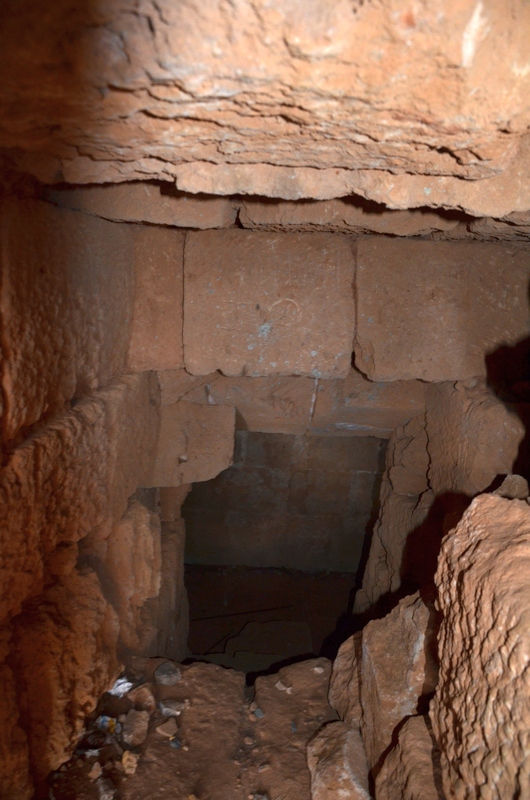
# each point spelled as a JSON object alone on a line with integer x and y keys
{"x": 259, "y": 713}
{"x": 121, "y": 687}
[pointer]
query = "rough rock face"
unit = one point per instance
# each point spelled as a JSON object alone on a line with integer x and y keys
{"x": 293, "y": 315}
{"x": 432, "y": 310}
{"x": 411, "y": 770}
{"x": 481, "y": 708}
{"x": 405, "y": 500}
{"x": 71, "y": 481}
{"x": 433, "y": 467}
{"x": 66, "y": 298}
{"x": 64, "y": 649}
{"x": 472, "y": 437}
{"x": 337, "y": 764}
{"x": 15, "y": 783}
{"x": 170, "y": 91}
{"x": 393, "y": 679}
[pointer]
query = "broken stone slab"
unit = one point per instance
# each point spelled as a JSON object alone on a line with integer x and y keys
{"x": 433, "y": 310}
{"x": 146, "y": 202}
{"x": 156, "y": 324}
{"x": 274, "y": 304}
{"x": 481, "y": 710}
{"x": 195, "y": 443}
{"x": 411, "y": 770}
{"x": 359, "y": 407}
{"x": 143, "y": 698}
{"x": 344, "y": 686}
{"x": 344, "y": 215}
{"x": 267, "y": 405}
{"x": 337, "y": 763}
{"x": 394, "y": 678}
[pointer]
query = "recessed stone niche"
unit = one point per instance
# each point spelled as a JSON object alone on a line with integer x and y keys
{"x": 294, "y": 502}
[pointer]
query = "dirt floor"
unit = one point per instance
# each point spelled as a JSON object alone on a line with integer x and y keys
{"x": 249, "y": 619}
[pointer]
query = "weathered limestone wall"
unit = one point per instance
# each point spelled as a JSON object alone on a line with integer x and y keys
{"x": 298, "y": 502}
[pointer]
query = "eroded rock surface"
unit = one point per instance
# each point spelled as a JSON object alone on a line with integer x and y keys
{"x": 481, "y": 707}
{"x": 170, "y": 92}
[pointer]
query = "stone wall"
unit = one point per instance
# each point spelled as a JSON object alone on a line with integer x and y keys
{"x": 299, "y": 502}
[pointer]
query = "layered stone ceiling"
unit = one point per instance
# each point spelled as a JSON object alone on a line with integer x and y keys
{"x": 407, "y": 104}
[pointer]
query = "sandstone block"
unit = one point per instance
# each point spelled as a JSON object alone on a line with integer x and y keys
{"x": 135, "y": 727}
{"x": 357, "y": 407}
{"x": 432, "y": 310}
{"x": 481, "y": 709}
{"x": 66, "y": 301}
{"x": 71, "y": 482}
{"x": 64, "y": 654}
{"x": 337, "y": 763}
{"x": 156, "y": 325}
{"x": 146, "y": 202}
{"x": 409, "y": 771}
{"x": 273, "y": 304}
{"x": 133, "y": 566}
{"x": 173, "y": 611}
{"x": 394, "y": 677}
{"x": 344, "y": 686}
{"x": 195, "y": 443}
{"x": 339, "y": 215}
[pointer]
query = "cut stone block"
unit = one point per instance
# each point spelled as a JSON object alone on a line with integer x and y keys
{"x": 432, "y": 310}
{"x": 195, "y": 443}
{"x": 156, "y": 327}
{"x": 357, "y": 407}
{"x": 268, "y": 304}
{"x": 146, "y": 202}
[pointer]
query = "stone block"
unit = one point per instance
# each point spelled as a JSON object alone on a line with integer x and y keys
{"x": 194, "y": 443}
{"x": 411, "y": 769}
{"x": 337, "y": 764}
{"x": 268, "y": 304}
{"x": 432, "y": 310}
{"x": 156, "y": 325}
{"x": 342, "y": 215}
{"x": 394, "y": 678}
{"x": 66, "y": 301}
{"x": 344, "y": 686}
{"x": 133, "y": 569}
{"x": 481, "y": 710}
{"x": 358, "y": 407}
{"x": 147, "y": 202}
